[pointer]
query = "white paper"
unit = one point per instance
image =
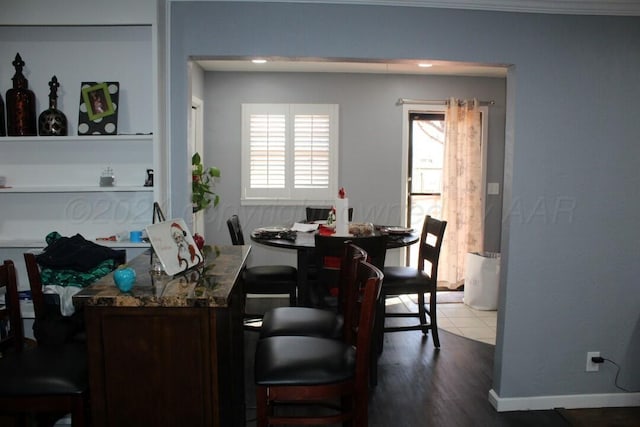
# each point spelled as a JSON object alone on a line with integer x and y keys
{"x": 305, "y": 228}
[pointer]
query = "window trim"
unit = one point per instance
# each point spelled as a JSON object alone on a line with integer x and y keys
{"x": 289, "y": 196}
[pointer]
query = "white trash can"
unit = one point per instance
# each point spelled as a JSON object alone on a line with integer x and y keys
{"x": 482, "y": 277}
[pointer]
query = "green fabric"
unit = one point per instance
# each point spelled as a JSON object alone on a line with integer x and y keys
{"x": 75, "y": 278}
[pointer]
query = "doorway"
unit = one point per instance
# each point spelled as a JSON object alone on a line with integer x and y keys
{"x": 424, "y": 135}
{"x": 196, "y": 145}
{"x": 424, "y": 178}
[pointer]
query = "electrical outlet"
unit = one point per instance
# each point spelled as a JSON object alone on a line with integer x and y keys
{"x": 592, "y": 367}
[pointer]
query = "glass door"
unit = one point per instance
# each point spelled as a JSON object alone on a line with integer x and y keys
{"x": 424, "y": 181}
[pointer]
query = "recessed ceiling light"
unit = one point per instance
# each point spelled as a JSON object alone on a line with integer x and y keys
{"x": 259, "y": 61}
{"x": 425, "y": 65}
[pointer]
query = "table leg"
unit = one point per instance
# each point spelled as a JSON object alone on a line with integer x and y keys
{"x": 304, "y": 294}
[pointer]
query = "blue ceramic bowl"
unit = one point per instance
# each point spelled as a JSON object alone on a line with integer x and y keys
{"x": 124, "y": 278}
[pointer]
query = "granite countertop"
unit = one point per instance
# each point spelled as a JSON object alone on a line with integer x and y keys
{"x": 159, "y": 290}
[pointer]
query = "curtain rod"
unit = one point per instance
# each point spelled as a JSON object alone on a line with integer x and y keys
{"x": 436, "y": 102}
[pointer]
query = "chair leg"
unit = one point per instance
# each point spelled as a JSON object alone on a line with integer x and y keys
{"x": 292, "y": 298}
{"x": 261, "y": 406}
{"x": 433, "y": 319}
{"x": 422, "y": 313}
{"x": 78, "y": 413}
{"x": 379, "y": 325}
{"x": 360, "y": 409}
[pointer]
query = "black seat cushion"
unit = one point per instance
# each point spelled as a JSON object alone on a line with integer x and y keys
{"x": 276, "y": 273}
{"x": 303, "y": 361}
{"x": 306, "y": 321}
{"x": 49, "y": 370}
{"x": 403, "y": 280}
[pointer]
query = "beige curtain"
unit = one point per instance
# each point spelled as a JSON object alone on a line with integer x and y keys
{"x": 462, "y": 190}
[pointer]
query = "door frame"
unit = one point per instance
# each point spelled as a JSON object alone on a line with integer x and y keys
{"x": 196, "y": 144}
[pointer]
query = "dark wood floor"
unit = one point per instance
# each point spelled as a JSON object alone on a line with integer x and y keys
{"x": 420, "y": 386}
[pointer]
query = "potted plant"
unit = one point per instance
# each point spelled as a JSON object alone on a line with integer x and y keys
{"x": 202, "y": 183}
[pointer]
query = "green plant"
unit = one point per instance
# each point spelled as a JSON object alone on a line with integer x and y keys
{"x": 202, "y": 183}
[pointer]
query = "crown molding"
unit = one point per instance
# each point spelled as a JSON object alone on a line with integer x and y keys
{"x": 572, "y": 7}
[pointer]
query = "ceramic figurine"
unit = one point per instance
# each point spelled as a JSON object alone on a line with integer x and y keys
{"x": 21, "y": 104}
{"x": 53, "y": 122}
{"x": 124, "y": 278}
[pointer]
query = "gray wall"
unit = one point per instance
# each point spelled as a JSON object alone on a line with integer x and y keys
{"x": 570, "y": 236}
{"x": 370, "y": 139}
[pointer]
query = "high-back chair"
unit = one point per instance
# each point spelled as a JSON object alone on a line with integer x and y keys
{"x": 264, "y": 279}
{"x": 302, "y": 370}
{"x": 421, "y": 280}
{"x": 318, "y": 322}
{"x": 50, "y": 326}
{"x": 11, "y": 332}
{"x": 326, "y": 248}
{"x": 42, "y": 379}
{"x": 321, "y": 213}
{"x": 329, "y": 322}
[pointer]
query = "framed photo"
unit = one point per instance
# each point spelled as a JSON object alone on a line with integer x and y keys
{"x": 98, "y": 101}
{"x": 174, "y": 245}
{"x": 98, "y": 108}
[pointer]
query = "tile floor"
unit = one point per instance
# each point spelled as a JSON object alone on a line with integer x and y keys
{"x": 460, "y": 319}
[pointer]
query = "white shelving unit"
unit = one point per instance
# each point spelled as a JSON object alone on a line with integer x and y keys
{"x": 53, "y": 182}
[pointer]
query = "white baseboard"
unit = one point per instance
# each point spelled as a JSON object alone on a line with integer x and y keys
{"x": 570, "y": 401}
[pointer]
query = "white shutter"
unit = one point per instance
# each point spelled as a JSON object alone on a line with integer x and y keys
{"x": 311, "y": 151}
{"x": 267, "y": 151}
{"x": 289, "y": 153}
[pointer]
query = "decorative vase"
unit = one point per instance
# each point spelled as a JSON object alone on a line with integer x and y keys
{"x": 53, "y": 122}
{"x": 3, "y": 129}
{"x": 21, "y": 104}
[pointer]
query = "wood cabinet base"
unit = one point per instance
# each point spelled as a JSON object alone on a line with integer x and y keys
{"x": 161, "y": 366}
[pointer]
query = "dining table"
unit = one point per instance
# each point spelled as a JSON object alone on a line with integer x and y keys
{"x": 303, "y": 242}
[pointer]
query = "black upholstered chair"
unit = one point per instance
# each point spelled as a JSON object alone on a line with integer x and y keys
{"x": 329, "y": 322}
{"x": 264, "y": 279}
{"x": 302, "y": 370}
{"x": 319, "y": 322}
{"x": 40, "y": 379}
{"x": 421, "y": 280}
{"x": 320, "y": 213}
{"x": 331, "y": 256}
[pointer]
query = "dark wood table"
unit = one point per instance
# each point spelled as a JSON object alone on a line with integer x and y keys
{"x": 304, "y": 245}
{"x": 170, "y": 351}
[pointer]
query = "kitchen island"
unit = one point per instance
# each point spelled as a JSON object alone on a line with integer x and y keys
{"x": 170, "y": 351}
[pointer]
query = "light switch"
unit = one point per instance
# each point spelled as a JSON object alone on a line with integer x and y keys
{"x": 493, "y": 188}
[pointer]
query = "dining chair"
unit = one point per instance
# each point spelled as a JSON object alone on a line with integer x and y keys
{"x": 333, "y": 272}
{"x": 331, "y": 255}
{"x": 302, "y": 370}
{"x": 50, "y": 326}
{"x": 399, "y": 280}
{"x": 320, "y": 213}
{"x": 263, "y": 279}
{"x": 38, "y": 379}
{"x": 319, "y": 322}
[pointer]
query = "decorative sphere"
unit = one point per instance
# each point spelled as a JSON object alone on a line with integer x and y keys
{"x": 124, "y": 278}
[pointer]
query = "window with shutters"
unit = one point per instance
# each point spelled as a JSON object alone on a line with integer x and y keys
{"x": 289, "y": 153}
